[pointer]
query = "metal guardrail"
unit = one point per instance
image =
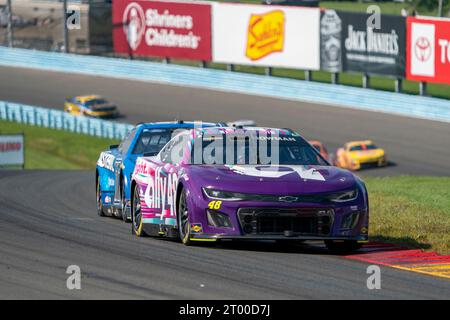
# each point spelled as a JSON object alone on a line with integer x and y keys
{"x": 291, "y": 89}
{"x": 60, "y": 120}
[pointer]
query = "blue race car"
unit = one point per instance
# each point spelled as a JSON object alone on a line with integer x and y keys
{"x": 116, "y": 165}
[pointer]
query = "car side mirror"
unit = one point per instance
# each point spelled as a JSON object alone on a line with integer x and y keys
{"x": 113, "y": 146}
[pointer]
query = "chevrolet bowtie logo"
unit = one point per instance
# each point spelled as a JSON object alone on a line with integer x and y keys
{"x": 288, "y": 199}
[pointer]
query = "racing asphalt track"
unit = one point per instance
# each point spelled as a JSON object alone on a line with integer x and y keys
{"x": 48, "y": 219}
{"x": 414, "y": 146}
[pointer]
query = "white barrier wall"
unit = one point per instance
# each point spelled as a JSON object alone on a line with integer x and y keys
{"x": 277, "y": 36}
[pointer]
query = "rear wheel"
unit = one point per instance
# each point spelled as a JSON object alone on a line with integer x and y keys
{"x": 343, "y": 246}
{"x": 100, "y": 210}
{"x": 184, "y": 226}
{"x": 136, "y": 215}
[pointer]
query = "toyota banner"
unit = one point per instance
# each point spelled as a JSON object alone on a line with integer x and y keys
{"x": 428, "y": 50}
{"x": 349, "y": 44}
{"x": 162, "y": 29}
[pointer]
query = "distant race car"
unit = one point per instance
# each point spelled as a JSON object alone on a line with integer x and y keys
{"x": 356, "y": 155}
{"x": 91, "y": 106}
{"x": 115, "y": 166}
{"x": 174, "y": 194}
{"x": 242, "y": 123}
{"x": 321, "y": 148}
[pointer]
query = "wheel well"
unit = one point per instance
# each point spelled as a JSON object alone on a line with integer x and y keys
{"x": 133, "y": 185}
{"x": 179, "y": 189}
{"x": 96, "y": 178}
{"x": 121, "y": 183}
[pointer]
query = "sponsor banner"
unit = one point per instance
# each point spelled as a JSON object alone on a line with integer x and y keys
{"x": 362, "y": 48}
{"x": 277, "y": 36}
{"x": 12, "y": 150}
{"x": 428, "y": 50}
{"x": 162, "y": 29}
{"x": 330, "y": 41}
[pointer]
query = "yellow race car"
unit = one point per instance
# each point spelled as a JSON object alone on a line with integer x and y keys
{"x": 356, "y": 155}
{"x": 91, "y": 106}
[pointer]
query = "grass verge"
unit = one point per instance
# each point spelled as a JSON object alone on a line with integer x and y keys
{"x": 55, "y": 149}
{"x": 412, "y": 211}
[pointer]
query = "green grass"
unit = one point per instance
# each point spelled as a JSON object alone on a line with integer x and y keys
{"x": 411, "y": 211}
{"x": 55, "y": 149}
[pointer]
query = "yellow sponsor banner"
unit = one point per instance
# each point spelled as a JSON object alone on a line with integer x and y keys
{"x": 265, "y": 34}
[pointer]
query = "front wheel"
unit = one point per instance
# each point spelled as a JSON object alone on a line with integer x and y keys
{"x": 137, "y": 223}
{"x": 184, "y": 226}
{"x": 345, "y": 246}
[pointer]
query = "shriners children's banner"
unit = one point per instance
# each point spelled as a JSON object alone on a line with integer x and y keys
{"x": 162, "y": 29}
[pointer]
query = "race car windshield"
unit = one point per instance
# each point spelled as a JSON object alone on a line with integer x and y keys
{"x": 96, "y": 103}
{"x": 152, "y": 141}
{"x": 364, "y": 147}
{"x": 288, "y": 150}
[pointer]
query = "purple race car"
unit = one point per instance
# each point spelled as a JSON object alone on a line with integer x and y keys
{"x": 247, "y": 183}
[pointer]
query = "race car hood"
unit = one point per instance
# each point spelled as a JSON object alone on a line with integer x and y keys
{"x": 366, "y": 154}
{"x": 272, "y": 179}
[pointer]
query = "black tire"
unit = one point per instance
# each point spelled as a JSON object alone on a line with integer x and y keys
{"x": 184, "y": 226}
{"x": 346, "y": 246}
{"x": 137, "y": 226}
{"x": 123, "y": 204}
{"x": 100, "y": 210}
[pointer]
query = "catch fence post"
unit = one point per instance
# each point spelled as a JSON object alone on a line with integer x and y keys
{"x": 334, "y": 78}
{"x": 423, "y": 88}
{"x": 65, "y": 30}
{"x": 307, "y": 75}
{"x": 10, "y": 25}
{"x": 398, "y": 85}
{"x": 230, "y": 67}
{"x": 366, "y": 81}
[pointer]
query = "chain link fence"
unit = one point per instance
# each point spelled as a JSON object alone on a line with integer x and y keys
{"x": 39, "y": 24}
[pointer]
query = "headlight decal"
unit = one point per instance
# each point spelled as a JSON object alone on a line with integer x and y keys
{"x": 344, "y": 196}
{"x": 220, "y": 195}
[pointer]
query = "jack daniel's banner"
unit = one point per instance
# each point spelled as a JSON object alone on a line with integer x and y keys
{"x": 348, "y": 44}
